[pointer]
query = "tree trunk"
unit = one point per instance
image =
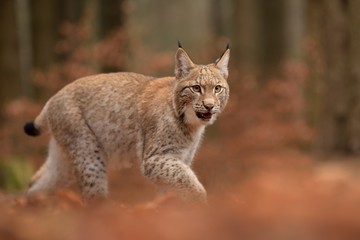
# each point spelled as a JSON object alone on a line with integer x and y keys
{"x": 340, "y": 42}
{"x": 9, "y": 61}
{"x": 294, "y": 28}
{"x": 112, "y": 17}
{"x": 246, "y": 35}
{"x": 45, "y": 24}
{"x": 354, "y": 73}
{"x": 71, "y": 11}
{"x": 273, "y": 37}
{"x": 25, "y": 46}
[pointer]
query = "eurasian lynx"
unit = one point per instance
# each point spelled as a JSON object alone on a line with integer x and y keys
{"x": 159, "y": 121}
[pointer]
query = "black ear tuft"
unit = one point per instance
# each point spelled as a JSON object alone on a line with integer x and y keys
{"x": 228, "y": 45}
{"x": 179, "y": 44}
{"x": 30, "y": 129}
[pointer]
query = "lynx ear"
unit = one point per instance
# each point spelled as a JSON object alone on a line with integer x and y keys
{"x": 222, "y": 62}
{"x": 183, "y": 63}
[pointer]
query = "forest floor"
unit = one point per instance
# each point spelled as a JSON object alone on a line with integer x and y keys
{"x": 257, "y": 163}
{"x": 290, "y": 195}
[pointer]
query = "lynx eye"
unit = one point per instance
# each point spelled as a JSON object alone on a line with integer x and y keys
{"x": 196, "y": 88}
{"x": 218, "y": 88}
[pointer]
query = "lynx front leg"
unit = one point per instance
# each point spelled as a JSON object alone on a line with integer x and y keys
{"x": 169, "y": 171}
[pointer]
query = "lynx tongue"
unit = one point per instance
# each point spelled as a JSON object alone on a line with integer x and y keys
{"x": 204, "y": 116}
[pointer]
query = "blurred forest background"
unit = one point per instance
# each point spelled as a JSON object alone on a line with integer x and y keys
{"x": 285, "y": 153}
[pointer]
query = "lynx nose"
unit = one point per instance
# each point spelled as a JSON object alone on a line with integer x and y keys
{"x": 208, "y": 105}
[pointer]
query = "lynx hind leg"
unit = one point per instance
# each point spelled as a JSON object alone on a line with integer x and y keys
{"x": 53, "y": 174}
{"x": 89, "y": 161}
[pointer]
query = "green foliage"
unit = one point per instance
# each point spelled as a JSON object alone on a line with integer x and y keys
{"x": 15, "y": 173}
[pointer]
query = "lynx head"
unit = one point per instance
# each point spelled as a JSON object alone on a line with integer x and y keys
{"x": 201, "y": 91}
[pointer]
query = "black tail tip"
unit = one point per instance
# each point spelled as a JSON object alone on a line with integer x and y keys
{"x": 30, "y": 129}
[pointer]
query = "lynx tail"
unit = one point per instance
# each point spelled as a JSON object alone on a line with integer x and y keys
{"x": 31, "y": 130}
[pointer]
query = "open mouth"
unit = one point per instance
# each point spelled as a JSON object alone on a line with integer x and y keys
{"x": 204, "y": 116}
